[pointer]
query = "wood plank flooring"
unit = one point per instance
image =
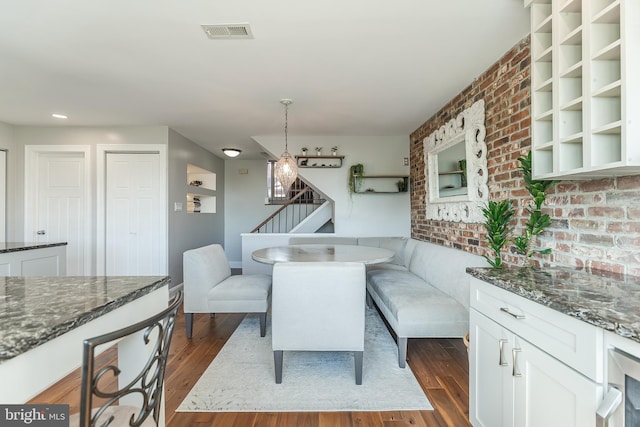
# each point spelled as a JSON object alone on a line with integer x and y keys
{"x": 441, "y": 366}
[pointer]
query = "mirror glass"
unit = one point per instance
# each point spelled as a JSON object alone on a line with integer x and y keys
{"x": 456, "y": 168}
{"x": 452, "y": 171}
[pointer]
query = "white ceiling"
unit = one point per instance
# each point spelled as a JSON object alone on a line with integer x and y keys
{"x": 352, "y": 67}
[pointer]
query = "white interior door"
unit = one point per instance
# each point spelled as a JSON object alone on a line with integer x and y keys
{"x": 58, "y": 203}
{"x": 134, "y": 231}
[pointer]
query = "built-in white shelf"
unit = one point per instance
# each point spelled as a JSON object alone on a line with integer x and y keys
{"x": 583, "y": 74}
{"x": 201, "y": 194}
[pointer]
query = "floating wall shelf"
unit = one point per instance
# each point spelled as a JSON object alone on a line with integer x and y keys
{"x": 319, "y": 161}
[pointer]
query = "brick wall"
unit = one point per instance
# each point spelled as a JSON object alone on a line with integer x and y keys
{"x": 595, "y": 224}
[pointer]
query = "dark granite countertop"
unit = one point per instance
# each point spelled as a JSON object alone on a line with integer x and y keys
{"x": 26, "y": 246}
{"x": 34, "y": 310}
{"x": 610, "y": 302}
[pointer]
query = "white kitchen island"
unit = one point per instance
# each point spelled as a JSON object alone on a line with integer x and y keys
{"x": 33, "y": 259}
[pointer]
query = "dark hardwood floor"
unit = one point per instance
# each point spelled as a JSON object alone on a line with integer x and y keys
{"x": 441, "y": 366}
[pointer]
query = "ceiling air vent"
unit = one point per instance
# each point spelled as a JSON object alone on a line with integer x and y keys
{"x": 228, "y": 31}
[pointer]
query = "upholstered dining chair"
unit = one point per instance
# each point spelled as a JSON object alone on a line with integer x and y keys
{"x": 144, "y": 387}
{"x": 210, "y": 288}
{"x": 318, "y": 306}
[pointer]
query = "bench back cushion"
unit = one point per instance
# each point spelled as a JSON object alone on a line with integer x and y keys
{"x": 395, "y": 244}
{"x": 444, "y": 268}
{"x": 204, "y": 268}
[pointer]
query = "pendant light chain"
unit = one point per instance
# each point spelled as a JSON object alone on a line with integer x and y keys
{"x": 286, "y": 127}
{"x": 286, "y": 168}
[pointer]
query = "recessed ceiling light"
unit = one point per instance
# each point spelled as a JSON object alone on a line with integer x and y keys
{"x": 59, "y": 116}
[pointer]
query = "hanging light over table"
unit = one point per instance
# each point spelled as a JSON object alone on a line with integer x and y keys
{"x": 286, "y": 167}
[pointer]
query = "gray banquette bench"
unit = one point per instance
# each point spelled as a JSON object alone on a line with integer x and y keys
{"x": 422, "y": 293}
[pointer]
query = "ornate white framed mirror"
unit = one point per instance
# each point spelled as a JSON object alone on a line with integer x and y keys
{"x": 456, "y": 168}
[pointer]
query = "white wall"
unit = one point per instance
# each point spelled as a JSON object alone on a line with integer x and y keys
{"x": 73, "y": 135}
{"x": 191, "y": 230}
{"x": 7, "y": 142}
{"x": 245, "y": 203}
{"x": 356, "y": 214}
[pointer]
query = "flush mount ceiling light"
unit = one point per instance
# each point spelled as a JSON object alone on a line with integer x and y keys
{"x": 59, "y": 116}
{"x": 231, "y": 152}
{"x": 286, "y": 167}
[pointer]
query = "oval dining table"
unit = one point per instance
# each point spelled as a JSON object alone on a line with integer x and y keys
{"x": 323, "y": 253}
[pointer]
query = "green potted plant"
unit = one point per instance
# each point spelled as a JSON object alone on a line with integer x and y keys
{"x": 355, "y": 177}
{"x": 318, "y": 151}
{"x": 304, "y": 151}
{"x": 498, "y": 217}
{"x": 402, "y": 185}
{"x": 537, "y": 220}
{"x": 334, "y": 150}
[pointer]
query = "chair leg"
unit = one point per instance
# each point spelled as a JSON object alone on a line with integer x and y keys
{"x": 358, "y": 356}
{"x": 188, "y": 321}
{"x": 277, "y": 363}
{"x": 212, "y": 315}
{"x": 263, "y": 324}
{"x": 402, "y": 351}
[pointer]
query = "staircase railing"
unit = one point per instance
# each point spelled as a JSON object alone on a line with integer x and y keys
{"x": 291, "y": 213}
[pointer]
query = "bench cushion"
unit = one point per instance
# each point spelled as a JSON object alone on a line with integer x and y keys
{"x": 241, "y": 294}
{"x": 417, "y": 309}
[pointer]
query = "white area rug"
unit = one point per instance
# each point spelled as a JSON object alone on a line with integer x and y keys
{"x": 241, "y": 377}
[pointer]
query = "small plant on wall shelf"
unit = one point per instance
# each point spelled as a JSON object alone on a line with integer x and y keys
{"x": 497, "y": 223}
{"x": 537, "y": 220}
{"x": 355, "y": 177}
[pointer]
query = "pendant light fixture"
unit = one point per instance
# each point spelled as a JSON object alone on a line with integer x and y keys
{"x": 286, "y": 167}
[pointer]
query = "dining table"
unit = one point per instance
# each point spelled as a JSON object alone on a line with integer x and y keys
{"x": 323, "y": 253}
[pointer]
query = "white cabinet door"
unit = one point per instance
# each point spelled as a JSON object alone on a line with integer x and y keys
{"x": 514, "y": 383}
{"x": 490, "y": 384}
{"x": 548, "y": 393}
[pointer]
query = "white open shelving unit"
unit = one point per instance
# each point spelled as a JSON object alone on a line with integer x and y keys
{"x": 202, "y": 186}
{"x": 583, "y": 73}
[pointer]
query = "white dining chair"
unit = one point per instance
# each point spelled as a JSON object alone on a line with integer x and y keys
{"x": 318, "y": 306}
{"x": 210, "y": 288}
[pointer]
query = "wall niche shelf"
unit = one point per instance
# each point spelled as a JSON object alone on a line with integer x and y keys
{"x": 202, "y": 185}
{"x": 381, "y": 184}
{"x": 319, "y": 161}
{"x": 583, "y": 65}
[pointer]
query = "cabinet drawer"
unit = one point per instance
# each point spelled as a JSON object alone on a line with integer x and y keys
{"x": 573, "y": 342}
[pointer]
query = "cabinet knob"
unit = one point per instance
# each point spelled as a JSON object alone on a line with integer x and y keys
{"x": 40, "y": 232}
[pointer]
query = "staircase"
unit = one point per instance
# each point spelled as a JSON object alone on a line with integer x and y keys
{"x": 304, "y": 210}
